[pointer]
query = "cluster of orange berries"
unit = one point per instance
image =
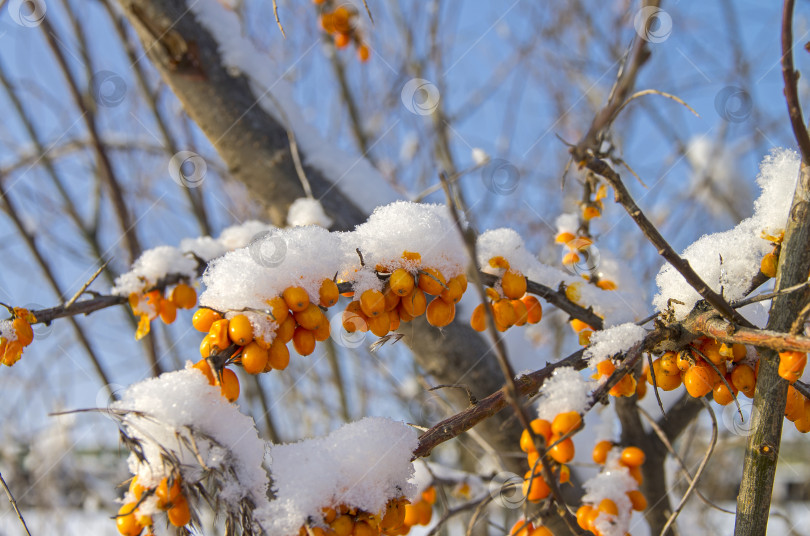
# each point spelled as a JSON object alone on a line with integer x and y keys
{"x": 560, "y": 449}
{"x": 797, "y": 408}
{"x": 397, "y": 519}
{"x": 170, "y": 498}
{"x": 11, "y": 350}
{"x": 511, "y": 307}
{"x": 404, "y": 297}
{"x": 627, "y": 386}
{"x": 632, "y": 458}
{"x": 152, "y": 304}
{"x": 527, "y": 528}
{"x": 339, "y": 23}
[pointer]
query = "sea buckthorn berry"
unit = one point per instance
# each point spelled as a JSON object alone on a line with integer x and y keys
{"x": 342, "y": 525}
{"x": 254, "y": 358}
{"x": 203, "y": 319}
{"x": 584, "y": 337}
{"x": 632, "y": 457}
{"x": 521, "y": 528}
{"x": 205, "y": 346}
{"x": 513, "y": 284}
{"x": 296, "y": 298}
{"x": 583, "y": 513}
{"x": 179, "y": 514}
{"x": 700, "y": 380}
{"x": 279, "y": 310}
{"x": 641, "y": 388}
{"x": 711, "y": 349}
{"x": 541, "y": 531}
{"x": 738, "y": 352}
{"x": 606, "y": 284}
{"x": 285, "y": 330}
{"x": 685, "y": 360}
{"x": 324, "y": 330}
{"x": 521, "y": 313}
{"x": 499, "y": 262}
{"x": 372, "y": 302}
{"x": 278, "y": 356}
{"x": 401, "y": 282}
{"x": 565, "y": 474}
{"x": 564, "y": 237}
{"x": 342, "y": 40}
{"x": 394, "y": 320}
{"x": 240, "y": 331}
{"x": 626, "y": 386}
{"x": 540, "y": 427}
{"x": 440, "y": 313}
{"x": 166, "y": 494}
{"x": 429, "y": 495}
{"x": 721, "y": 394}
{"x": 391, "y": 299}
{"x": 600, "y": 451}
{"x": 363, "y": 53}
{"x": 25, "y": 335}
{"x": 218, "y": 335}
{"x": 125, "y": 521}
{"x": 665, "y": 382}
{"x": 768, "y": 265}
{"x": 574, "y": 292}
{"x": 669, "y": 363}
{"x": 184, "y": 296}
{"x": 311, "y": 317}
{"x": 415, "y": 303}
{"x": 533, "y": 308}
{"x": 590, "y": 212}
{"x": 562, "y": 452}
{"x": 354, "y": 319}
{"x": 609, "y": 507}
{"x": 565, "y": 423}
{"x": 168, "y": 311}
{"x": 229, "y": 385}
{"x": 535, "y": 487}
{"x": 432, "y": 281}
{"x": 135, "y": 488}
{"x": 328, "y": 294}
{"x": 605, "y": 368}
{"x": 791, "y": 365}
{"x": 380, "y": 324}
{"x": 794, "y": 405}
{"x": 638, "y": 500}
{"x": 303, "y": 341}
{"x": 532, "y": 458}
{"x": 504, "y": 312}
{"x": 454, "y": 291}
{"x": 803, "y": 422}
{"x": 578, "y": 325}
{"x": 203, "y": 366}
{"x": 744, "y": 380}
{"x": 478, "y": 320}
{"x": 635, "y": 472}
{"x": 570, "y": 258}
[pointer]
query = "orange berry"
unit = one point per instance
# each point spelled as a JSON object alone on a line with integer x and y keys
{"x": 278, "y": 356}
{"x": 794, "y": 405}
{"x": 380, "y": 324}
{"x": 179, "y": 514}
{"x": 578, "y": 325}
{"x": 666, "y": 382}
{"x": 699, "y": 380}
{"x": 711, "y": 349}
{"x": 638, "y": 500}
{"x": 499, "y": 262}
{"x": 394, "y": 319}
{"x": 532, "y": 458}
{"x": 440, "y": 313}
{"x": 540, "y": 427}
{"x": 401, "y": 282}
{"x": 203, "y": 366}
{"x": 535, "y": 487}
{"x": 135, "y": 488}
{"x": 541, "y": 531}
{"x": 600, "y": 451}
{"x": 605, "y": 368}
{"x": 391, "y": 299}
{"x": 25, "y": 335}
{"x": 565, "y": 423}
{"x": 168, "y": 311}
{"x": 342, "y": 525}
{"x": 570, "y": 258}
{"x": 626, "y": 386}
{"x": 584, "y": 337}
{"x": 342, "y": 40}
{"x": 721, "y": 394}
{"x": 590, "y": 212}
{"x": 606, "y": 284}
{"x": 324, "y": 331}
{"x": 166, "y": 494}
{"x": 504, "y": 313}
{"x": 125, "y": 522}
{"x": 279, "y": 310}
{"x": 310, "y": 318}
{"x": 685, "y": 360}
{"x": 218, "y": 335}
{"x": 372, "y": 302}
{"x": 328, "y": 294}
{"x": 669, "y": 363}
{"x": 354, "y": 319}
{"x": 240, "y": 331}
{"x": 534, "y": 308}
{"x": 363, "y": 53}
{"x": 521, "y": 313}
{"x": 609, "y": 507}
{"x": 513, "y": 284}
{"x": 429, "y": 495}
{"x": 768, "y": 265}
{"x": 303, "y": 341}
{"x": 229, "y": 385}
{"x": 254, "y": 358}
{"x": 184, "y": 296}
{"x": 432, "y": 281}
{"x": 285, "y": 330}
{"x": 562, "y": 452}
{"x": 203, "y": 319}
{"x": 478, "y": 320}
{"x": 635, "y": 472}
{"x": 454, "y": 291}
{"x": 521, "y": 528}
{"x": 738, "y": 352}
{"x": 744, "y": 380}
{"x": 632, "y": 457}
{"x": 415, "y": 303}
{"x": 583, "y": 512}
{"x": 791, "y": 365}
{"x": 296, "y": 298}
{"x": 205, "y": 346}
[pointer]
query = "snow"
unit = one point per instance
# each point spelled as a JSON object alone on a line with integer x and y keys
{"x": 7, "y": 330}
{"x": 508, "y": 244}
{"x": 566, "y": 390}
{"x": 239, "y": 236}
{"x": 567, "y": 223}
{"x": 613, "y": 482}
{"x": 362, "y": 464}
{"x": 479, "y": 156}
{"x": 352, "y": 174}
{"x": 152, "y": 265}
{"x": 160, "y": 411}
{"x": 307, "y": 211}
{"x": 609, "y": 342}
{"x": 741, "y": 248}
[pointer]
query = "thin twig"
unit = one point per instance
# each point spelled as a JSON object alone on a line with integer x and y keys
{"x": 278, "y": 21}
{"x": 87, "y": 284}
{"x": 14, "y": 504}
{"x": 655, "y": 92}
